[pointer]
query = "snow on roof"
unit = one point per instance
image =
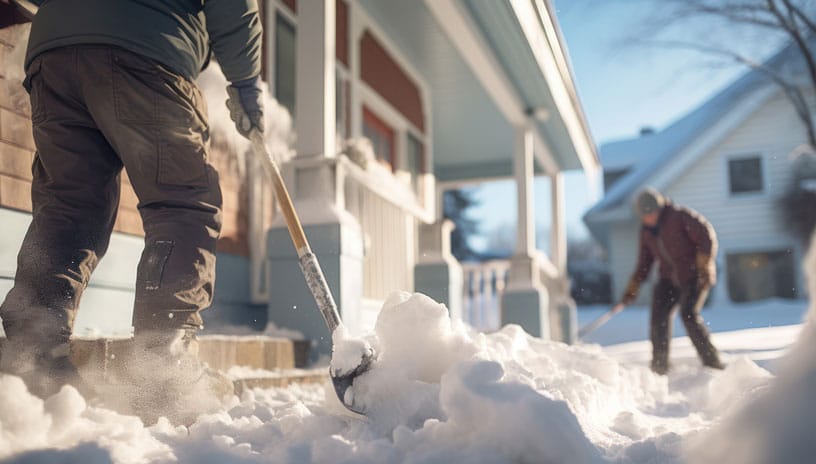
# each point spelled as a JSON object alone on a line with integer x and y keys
{"x": 623, "y": 154}
{"x": 650, "y": 153}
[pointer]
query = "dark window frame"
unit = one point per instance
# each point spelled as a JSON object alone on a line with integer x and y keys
{"x": 738, "y": 167}
{"x": 759, "y": 274}
{"x": 289, "y": 100}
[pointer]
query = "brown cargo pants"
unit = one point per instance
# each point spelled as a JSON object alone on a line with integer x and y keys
{"x": 667, "y": 297}
{"x": 97, "y": 109}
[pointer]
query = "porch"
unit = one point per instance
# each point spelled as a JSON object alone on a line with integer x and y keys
{"x": 473, "y": 91}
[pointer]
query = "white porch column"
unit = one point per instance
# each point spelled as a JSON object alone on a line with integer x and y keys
{"x": 523, "y": 173}
{"x": 525, "y": 302}
{"x": 316, "y": 180}
{"x": 437, "y": 273}
{"x": 563, "y": 315}
{"x": 558, "y": 233}
{"x": 315, "y": 79}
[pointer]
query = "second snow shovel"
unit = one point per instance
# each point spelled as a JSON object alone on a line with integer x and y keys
{"x": 310, "y": 267}
{"x": 599, "y": 321}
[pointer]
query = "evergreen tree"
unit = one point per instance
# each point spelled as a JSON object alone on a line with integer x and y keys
{"x": 455, "y": 205}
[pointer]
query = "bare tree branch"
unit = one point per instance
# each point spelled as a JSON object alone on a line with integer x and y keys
{"x": 800, "y": 14}
{"x": 795, "y": 34}
{"x": 791, "y": 90}
{"x": 791, "y": 19}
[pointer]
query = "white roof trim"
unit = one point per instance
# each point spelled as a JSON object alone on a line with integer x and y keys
{"x": 536, "y": 29}
{"x": 543, "y": 154}
{"x": 457, "y": 23}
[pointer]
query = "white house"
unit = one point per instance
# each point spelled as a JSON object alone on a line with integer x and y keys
{"x": 449, "y": 93}
{"x": 730, "y": 159}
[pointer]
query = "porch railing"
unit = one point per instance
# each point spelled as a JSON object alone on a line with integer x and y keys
{"x": 388, "y": 214}
{"x": 484, "y": 284}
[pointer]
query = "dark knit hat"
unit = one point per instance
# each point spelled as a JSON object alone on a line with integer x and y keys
{"x": 649, "y": 201}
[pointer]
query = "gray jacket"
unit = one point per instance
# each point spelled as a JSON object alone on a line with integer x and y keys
{"x": 177, "y": 33}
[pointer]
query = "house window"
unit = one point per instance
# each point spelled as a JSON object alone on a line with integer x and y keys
{"x": 414, "y": 160}
{"x": 381, "y": 136}
{"x": 285, "y": 62}
{"x": 745, "y": 174}
{"x": 342, "y": 108}
{"x": 759, "y": 275}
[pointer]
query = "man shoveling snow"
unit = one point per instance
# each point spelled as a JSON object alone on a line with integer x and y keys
{"x": 112, "y": 87}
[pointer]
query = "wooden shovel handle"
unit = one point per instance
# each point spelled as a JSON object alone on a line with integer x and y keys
{"x": 284, "y": 200}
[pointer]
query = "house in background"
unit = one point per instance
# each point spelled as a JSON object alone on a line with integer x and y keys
{"x": 449, "y": 93}
{"x": 731, "y": 159}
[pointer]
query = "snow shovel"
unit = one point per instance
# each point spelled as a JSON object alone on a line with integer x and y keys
{"x": 315, "y": 279}
{"x": 601, "y": 320}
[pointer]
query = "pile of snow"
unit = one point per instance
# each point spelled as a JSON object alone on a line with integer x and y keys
{"x": 440, "y": 392}
{"x": 65, "y": 421}
{"x": 778, "y": 426}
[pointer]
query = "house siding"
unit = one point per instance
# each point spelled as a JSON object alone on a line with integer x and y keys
{"x": 771, "y": 133}
{"x": 753, "y": 221}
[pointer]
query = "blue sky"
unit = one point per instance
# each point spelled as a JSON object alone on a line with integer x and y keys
{"x": 622, "y": 87}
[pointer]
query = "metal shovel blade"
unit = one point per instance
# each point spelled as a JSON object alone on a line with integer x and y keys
{"x": 316, "y": 282}
{"x": 343, "y": 382}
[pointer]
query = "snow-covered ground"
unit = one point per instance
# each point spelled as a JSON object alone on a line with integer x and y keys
{"x": 633, "y": 323}
{"x": 441, "y": 393}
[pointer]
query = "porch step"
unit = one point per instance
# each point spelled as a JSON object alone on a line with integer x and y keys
{"x": 218, "y": 351}
{"x": 244, "y": 379}
{"x": 223, "y": 352}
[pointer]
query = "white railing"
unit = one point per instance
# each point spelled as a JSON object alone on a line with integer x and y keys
{"x": 484, "y": 284}
{"x": 388, "y": 214}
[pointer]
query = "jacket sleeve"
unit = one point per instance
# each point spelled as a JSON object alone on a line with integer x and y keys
{"x": 702, "y": 235}
{"x": 644, "y": 265}
{"x": 236, "y": 37}
{"x": 700, "y": 232}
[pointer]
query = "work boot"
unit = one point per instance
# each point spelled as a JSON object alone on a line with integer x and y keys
{"x": 161, "y": 375}
{"x": 660, "y": 366}
{"x": 714, "y": 364}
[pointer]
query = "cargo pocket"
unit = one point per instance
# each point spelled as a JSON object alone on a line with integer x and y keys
{"x": 155, "y": 259}
{"x": 146, "y": 93}
{"x": 183, "y": 165}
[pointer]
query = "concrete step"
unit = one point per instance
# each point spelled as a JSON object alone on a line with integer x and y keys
{"x": 249, "y": 361}
{"x": 218, "y": 351}
{"x": 223, "y": 352}
{"x": 244, "y": 379}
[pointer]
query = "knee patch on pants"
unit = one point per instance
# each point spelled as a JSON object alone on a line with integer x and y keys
{"x": 156, "y": 256}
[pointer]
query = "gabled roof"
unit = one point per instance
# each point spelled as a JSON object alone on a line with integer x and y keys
{"x": 651, "y": 153}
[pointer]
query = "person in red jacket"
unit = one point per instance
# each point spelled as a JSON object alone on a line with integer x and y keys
{"x": 684, "y": 244}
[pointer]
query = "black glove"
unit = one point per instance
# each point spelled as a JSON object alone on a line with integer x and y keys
{"x": 245, "y": 105}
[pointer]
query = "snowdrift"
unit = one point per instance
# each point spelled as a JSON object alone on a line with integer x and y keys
{"x": 441, "y": 393}
{"x": 779, "y": 425}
